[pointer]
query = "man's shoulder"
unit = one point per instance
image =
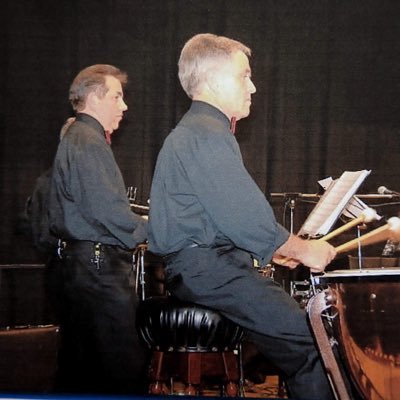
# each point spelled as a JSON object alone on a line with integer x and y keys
{"x": 80, "y": 128}
{"x": 185, "y": 137}
{"x": 81, "y": 134}
{"x": 193, "y": 129}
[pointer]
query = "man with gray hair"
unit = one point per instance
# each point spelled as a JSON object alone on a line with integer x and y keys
{"x": 200, "y": 223}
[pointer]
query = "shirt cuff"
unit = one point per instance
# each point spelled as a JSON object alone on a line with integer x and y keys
{"x": 282, "y": 235}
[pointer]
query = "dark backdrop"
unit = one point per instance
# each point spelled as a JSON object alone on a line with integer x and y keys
{"x": 326, "y": 72}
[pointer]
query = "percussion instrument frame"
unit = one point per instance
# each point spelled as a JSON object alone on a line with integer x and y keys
{"x": 329, "y": 308}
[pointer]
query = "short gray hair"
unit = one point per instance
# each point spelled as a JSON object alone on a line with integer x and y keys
{"x": 200, "y": 54}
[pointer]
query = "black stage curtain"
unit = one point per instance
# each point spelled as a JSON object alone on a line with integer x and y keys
{"x": 326, "y": 72}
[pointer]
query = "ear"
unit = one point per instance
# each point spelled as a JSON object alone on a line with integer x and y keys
{"x": 92, "y": 99}
{"x": 211, "y": 84}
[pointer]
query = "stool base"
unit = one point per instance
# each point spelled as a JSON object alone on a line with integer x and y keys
{"x": 191, "y": 368}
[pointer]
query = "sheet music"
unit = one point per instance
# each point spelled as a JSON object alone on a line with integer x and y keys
{"x": 332, "y": 203}
{"x": 354, "y": 207}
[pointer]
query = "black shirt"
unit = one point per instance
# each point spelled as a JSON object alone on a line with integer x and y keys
{"x": 88, "y": 198}
{"x": 202, "y": 193}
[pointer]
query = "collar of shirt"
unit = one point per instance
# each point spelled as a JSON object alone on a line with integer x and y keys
{"x": 200, "y": 107}
{"x": 92, "y": 122}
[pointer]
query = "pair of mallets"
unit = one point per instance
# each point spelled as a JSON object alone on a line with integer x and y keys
{"x": 391, "y": 230}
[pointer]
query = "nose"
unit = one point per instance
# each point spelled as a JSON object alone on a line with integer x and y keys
{"x": 123, "y": 105}
{"x": 252, "y": 87}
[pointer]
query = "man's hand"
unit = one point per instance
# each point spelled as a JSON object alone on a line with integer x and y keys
{"x": 285, "y": 261}
{"x": 315, "y": 254}
{"x": 318, "y": 255}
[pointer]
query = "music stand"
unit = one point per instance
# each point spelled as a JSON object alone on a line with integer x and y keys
{"x": 332, "y": 203}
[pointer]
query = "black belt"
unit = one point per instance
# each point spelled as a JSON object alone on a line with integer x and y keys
{"x": 87, "y": 243}
{"x": 191, "y": 246}
{"x": 97, "y": 248}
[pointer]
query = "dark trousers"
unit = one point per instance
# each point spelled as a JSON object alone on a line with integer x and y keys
{"x": 224, "y": 279}
{"x": 100, "y": 351}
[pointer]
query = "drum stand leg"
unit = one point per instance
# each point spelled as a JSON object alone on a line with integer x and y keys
{"x": 315, "y": 307}
{"x": 138, "y": 262}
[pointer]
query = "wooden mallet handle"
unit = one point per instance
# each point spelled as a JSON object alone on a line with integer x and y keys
{"x": 367, "y": 215}
{"x": 391, "y": 230}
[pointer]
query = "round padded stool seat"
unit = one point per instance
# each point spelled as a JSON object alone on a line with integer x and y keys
{"x": 169, "y": 325}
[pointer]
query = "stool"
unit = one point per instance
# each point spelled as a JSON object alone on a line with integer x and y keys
{"x": 189, "y": 342}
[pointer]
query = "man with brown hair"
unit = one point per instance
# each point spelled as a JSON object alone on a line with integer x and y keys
{"x": 90, "y": 213}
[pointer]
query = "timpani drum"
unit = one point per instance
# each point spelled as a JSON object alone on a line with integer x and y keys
{"x": 356, "y": 313}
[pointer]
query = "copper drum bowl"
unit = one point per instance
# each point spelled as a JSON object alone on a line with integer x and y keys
{"x": 365, "y": 307}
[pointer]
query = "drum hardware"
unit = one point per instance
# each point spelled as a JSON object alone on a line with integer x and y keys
{"x": 354, "y": 317}
{"x": 267, "y": 270}
{"x": 325, "y": 309}
{"x": 391, "y": 248}
{"x": 359, "y": 249}
{"x": 149, "y": 273}
{"x": 290, "y": 200}
{"x": 131, "y": 193}
{"x": 300, "y": 291}
{"x": 317, "y": 196}
{"x": 317, "y": 309}
{"x": 138, "y": 262}
{"x": 140, "y": 207}
{"x": 335, "y": 310}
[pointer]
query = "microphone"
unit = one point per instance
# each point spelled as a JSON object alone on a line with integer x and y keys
{"x": 385, "y": 190}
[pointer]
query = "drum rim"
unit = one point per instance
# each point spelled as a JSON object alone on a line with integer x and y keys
{"x": 351, "y": 275}
{"x": 362, "y": 272}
